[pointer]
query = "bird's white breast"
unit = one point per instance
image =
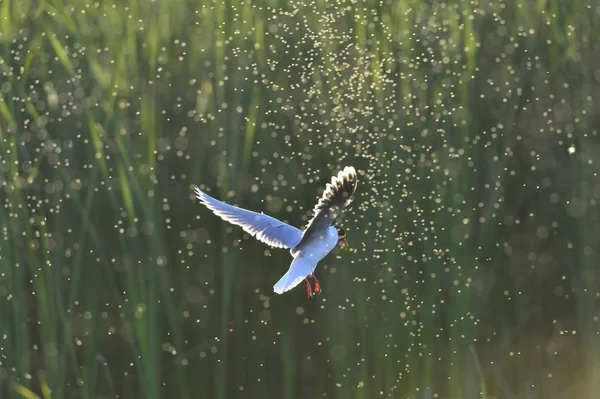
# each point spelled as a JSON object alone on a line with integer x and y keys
{"x": 319, "y": 245}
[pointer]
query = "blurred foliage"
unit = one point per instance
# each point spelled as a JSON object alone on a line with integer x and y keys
{"x": 474, "y": 127}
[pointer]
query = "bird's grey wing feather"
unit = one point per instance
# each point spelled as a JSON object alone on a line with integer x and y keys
{"x": 337, "y": 196}
{"x": 265, "y": 228}
{"x": 300, "y": 268}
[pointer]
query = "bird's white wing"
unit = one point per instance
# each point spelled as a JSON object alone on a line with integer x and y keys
{"x": 300, "y": 268}
{"x": 337, "y": 196}
{"x": 265, "y": 228}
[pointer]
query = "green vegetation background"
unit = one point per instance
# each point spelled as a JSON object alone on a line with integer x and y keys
{"x": 474, "y": 234}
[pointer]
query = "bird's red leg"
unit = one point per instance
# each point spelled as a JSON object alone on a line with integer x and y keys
{"x": 308, "y": 289}
{"x": 317, "y": 285}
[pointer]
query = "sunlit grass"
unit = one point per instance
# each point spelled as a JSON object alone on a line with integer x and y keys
{"x": 473, "y": 235}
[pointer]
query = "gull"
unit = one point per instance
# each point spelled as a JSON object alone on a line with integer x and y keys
{"x": 307, "y": 247}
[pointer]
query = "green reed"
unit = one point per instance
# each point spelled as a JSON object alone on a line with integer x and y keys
{"x": 472, "y": 234}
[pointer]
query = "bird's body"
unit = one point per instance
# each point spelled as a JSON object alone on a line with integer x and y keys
{"x": 306, "y": 259}
{"x": 308, "y": 247}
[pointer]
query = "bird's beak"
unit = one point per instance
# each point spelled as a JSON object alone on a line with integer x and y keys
{"x": 344, "y": 243}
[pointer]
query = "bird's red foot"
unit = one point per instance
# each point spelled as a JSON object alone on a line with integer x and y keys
{"x": 317, "y": 285}
{"x": 308, "y": 289}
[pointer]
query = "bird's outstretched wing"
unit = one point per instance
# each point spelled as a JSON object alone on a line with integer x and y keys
{"x": 265, "y": 228}
{"x": 300, "y": 268}
{"x": 337, "y": 196}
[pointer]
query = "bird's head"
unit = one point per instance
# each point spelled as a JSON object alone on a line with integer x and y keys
{"x": 342, "y": 237}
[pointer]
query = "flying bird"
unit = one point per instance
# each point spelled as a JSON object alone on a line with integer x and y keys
{"x": 307, "y": 247}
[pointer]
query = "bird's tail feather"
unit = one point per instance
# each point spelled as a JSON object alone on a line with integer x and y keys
{"x": 300, "y": 268}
